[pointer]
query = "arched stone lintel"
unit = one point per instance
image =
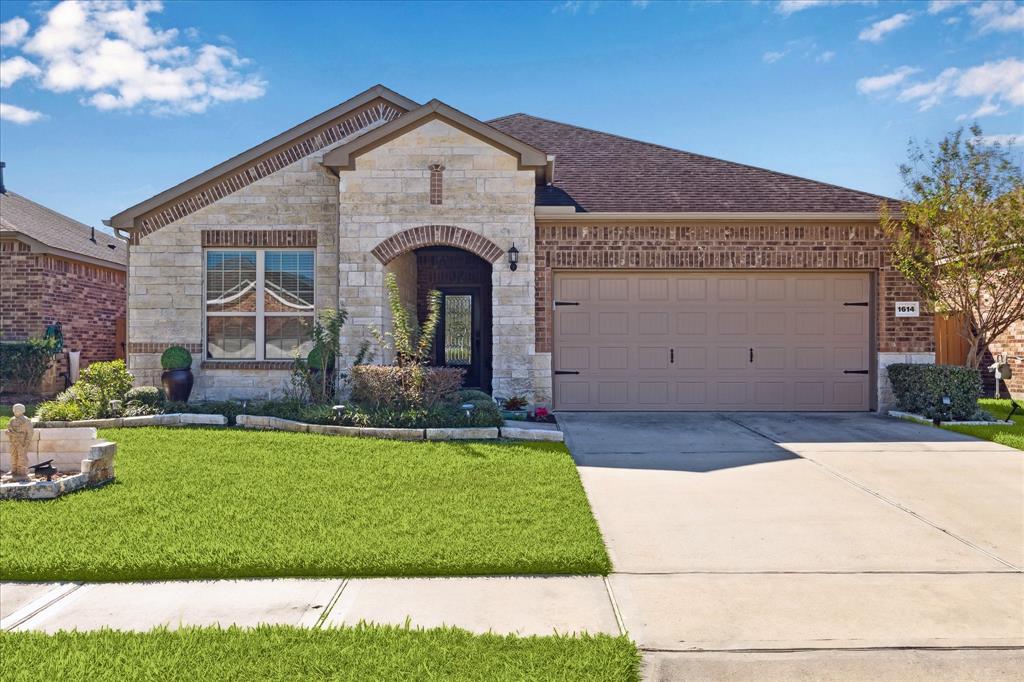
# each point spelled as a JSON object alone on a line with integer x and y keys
{"x": 436, "y": 235}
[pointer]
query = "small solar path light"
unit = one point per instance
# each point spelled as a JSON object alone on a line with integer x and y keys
{"x": 469, "y": 407}
{"x": 339, "y": 410}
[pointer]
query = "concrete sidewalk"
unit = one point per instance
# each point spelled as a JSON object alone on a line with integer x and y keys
{"x": 506, "y": 605}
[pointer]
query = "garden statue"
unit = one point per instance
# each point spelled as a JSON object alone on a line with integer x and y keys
{"x": 19, "y": 434}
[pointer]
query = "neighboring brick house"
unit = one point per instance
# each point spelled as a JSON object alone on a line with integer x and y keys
{"x": 55, "y": 269}
{"x": 646, "y": 278}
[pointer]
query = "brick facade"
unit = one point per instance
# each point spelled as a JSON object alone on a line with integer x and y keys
{"x": 731, "y": 247}
{"x": 40, "y": 288}
{"x": 1011, "y": 343}
{"x": 740, "y": 246}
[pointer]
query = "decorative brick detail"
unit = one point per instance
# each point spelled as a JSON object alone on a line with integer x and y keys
{"x": 844, "y": 246}
{"x": 336, "y": 131}
{"x": 159, "y": 348}
{"x": 259, "y": 239}
{"x": 436, "y": 235}
{"x": 436, "y": 184}
{"x": 247, "y": 364}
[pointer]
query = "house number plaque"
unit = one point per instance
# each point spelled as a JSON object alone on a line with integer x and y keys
{"x": 908, "y": 309}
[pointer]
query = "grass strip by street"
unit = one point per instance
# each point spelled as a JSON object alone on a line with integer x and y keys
{"x": 226, "y": 503}
{"x": 1012, "y": 436}
{"x": 278, "y": 652}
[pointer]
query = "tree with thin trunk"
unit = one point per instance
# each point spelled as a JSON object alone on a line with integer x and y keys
{"x": 960, "y": 238}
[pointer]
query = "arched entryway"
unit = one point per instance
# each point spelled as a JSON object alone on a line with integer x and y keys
{"x": 458, "y": 263}
{"x": 464, "y": 332}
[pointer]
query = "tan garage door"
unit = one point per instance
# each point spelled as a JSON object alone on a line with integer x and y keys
{"x": 711, "y": 341}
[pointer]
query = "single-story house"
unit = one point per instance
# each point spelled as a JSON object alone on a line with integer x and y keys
{"x": 582, "y": 269}
{"x": 56, "y": 270}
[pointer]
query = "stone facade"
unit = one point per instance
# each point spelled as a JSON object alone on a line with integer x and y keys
{"x": 487, "y": 203}
{"x": 295, "y": 207}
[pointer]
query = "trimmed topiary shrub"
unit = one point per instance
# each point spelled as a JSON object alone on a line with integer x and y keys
{"x": 920, "y": 389}
{"x": 176, "y": 357}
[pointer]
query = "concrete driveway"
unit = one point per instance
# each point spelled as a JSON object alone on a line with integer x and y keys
{"x": 751, "y": 533}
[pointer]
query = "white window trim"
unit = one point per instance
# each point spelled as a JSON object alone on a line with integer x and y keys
{"x": 260, "y": 314}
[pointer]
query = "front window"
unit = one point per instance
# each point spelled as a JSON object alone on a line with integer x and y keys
{"x": 259, "y": 304}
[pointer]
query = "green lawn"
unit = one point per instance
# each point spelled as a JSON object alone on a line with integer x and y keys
{"x": 228, "y": 503}
{"x": 1007, "y": 435}
{"x": 284, "y": 653}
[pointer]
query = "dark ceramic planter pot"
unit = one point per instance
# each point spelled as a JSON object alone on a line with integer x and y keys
{"x": 177, "y": 384}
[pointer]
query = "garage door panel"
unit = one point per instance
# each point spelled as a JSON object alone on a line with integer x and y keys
{"x": 690, "y": 323}
{"x": 683, "y": 341}
{"x": 613, "y": 324}
{"x": 692, "y": 289}
{"x": 732, "y": 323}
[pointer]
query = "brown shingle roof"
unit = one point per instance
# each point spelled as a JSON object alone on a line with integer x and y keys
{"x": 597, "y": 171}
{"x": 58, "y": 232}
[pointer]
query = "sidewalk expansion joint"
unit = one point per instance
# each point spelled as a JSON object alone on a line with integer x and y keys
{"x": 38, "y": 605}
{"x": 330, "y": 604}
{"x": 615, "y": 607}
{"x": 789, "y": 650}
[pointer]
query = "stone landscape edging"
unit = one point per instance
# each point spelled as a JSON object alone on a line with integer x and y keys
{"x": 252, "y": 421}
{"x": 457, "y": 433}
{"x": 174, "y": 419}
{"x": 926, "y": 420}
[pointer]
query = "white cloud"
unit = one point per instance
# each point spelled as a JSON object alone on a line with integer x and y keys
{"x": 9, "y": 112}
{"x": 825, "y": 57}
{"x": 14, "y": 69}
{"x": 998, "y": 15}
{"x": 939, "y": 6}
{"x": 879, "y": 29}
{"x": 13, "y": 32}
{"x": 575, "y": 6}
{"x": 873, "y": 84}
{"x": 641, "y": 4}
{"x": 787, "y": 7}
{"x": 931, "y": 92}
{"x": 997, "y": 84}
{"x": 772, "y": 57}
{"x": 110, "y": 52}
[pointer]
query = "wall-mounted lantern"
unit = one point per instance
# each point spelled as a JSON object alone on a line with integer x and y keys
{"x": 513, "y": 258}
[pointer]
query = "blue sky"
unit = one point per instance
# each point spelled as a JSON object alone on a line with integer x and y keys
{"x": 103, "y": 106}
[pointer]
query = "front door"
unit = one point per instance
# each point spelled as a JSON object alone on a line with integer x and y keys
{"x": 459, "y": 334}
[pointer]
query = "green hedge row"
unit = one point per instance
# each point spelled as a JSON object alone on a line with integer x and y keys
{"x": 921, "y": 389}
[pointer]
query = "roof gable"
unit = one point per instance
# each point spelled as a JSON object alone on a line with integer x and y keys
{"x": 601, "y": 172}
{"x": 345, "y": 120}
{"x": 344, "y": 157}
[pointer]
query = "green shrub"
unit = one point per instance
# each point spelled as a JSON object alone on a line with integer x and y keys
{"x": 112, "y": 379}
{"x": 81, "y": 401}
{"x": 23, "y": 363}
{"x": 90, "y": 397}
{"x": 469, "y": 394}
{"x": 176, "y": 357}
{"x": 920, "y": 389}
{"x": 147, "y": 395}
{"x": 404, "y": 387}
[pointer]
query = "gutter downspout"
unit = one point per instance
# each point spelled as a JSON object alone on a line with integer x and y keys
{"x": 127, "y": 237}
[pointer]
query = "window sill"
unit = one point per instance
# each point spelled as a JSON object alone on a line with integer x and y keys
{"x": 246, "y": 364}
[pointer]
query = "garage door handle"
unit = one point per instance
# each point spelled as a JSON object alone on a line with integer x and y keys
{"x": 855, "y": 371}
{"x": 863, "y": 304}
{"x": 558, "y": 303}
{"x": 566, "y": 371}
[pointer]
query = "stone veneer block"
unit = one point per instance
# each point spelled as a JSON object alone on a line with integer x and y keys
{"x": 101, "y": 423}
{"x": 286, "y": 425}
{"x": 330, "y": 430}
{"x": 532, "y": 434}
{"x": 206, "y": 419}
{"x": 392, "y": 434}
{"x": 462, "y": 434}
{"x": 150, "y": 420}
